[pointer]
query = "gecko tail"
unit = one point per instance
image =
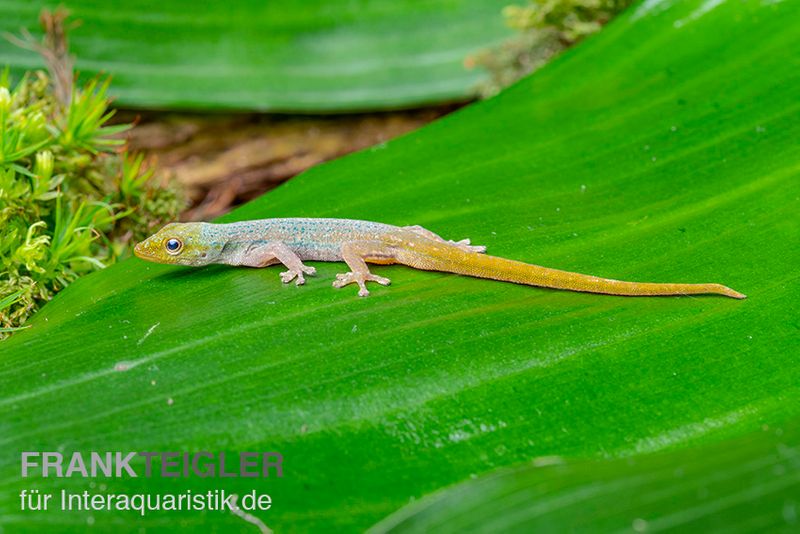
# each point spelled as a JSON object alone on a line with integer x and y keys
{"x": 449, "y": 259}
{"x": 729, "y": 292}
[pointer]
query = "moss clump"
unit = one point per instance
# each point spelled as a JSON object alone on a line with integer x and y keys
{"x": 546, "y": 27}
{"x": 71, "y": 199}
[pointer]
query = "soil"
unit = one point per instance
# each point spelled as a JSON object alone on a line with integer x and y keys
{"x": 226, "y": 159}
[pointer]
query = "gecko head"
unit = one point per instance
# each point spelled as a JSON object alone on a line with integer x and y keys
{"x": 177, "y": 243}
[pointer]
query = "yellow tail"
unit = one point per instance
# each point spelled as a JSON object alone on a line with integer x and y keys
{"x": 432, "y": 256}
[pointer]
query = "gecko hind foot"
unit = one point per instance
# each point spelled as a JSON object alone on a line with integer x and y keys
{"x": 297, "y": 275}
{"x": 465, "y": 245}
{"x": 360, "y": 279}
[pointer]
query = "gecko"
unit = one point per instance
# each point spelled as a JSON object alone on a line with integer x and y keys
{"x": 291, "y": 241}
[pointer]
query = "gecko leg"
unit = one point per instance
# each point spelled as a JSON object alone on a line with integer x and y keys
{"x": 354, "y": 255}
{"x": 272, "y": 253}
{"x": 464, "y": 244}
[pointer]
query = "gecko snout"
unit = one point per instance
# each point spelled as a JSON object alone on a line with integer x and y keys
{"x": 141, "y": 251}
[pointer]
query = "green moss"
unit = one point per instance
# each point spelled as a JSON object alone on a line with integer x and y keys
{"x": 546, "y": 27}
{"x": 71, "y": 199}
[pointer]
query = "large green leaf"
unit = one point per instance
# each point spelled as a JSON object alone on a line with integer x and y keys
{"x": 664, "y": 149}
{"x": 749, "y": 484}
{"x": 306, "y": 55}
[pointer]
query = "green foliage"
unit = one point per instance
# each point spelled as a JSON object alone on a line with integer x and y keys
{"x": 5, "y": 303}
{"x": 545, "y": 28}
{"x": 293, "y": 55}
{"x": 662, "y": 149}
{"x": 572, "y": 20}
{"x": 70, "y": 202}
{"x": 747, "y": 484}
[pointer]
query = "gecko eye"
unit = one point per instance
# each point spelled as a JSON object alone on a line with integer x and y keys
{"x": 173, "y": 245}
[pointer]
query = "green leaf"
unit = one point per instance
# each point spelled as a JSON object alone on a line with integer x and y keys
{"x": 750, "y": 483}
{"x": 6, "y": 330}
{"x": 663, "y": 149}
{"x": 300, "y": 55}
{"x": 8, "y": 300}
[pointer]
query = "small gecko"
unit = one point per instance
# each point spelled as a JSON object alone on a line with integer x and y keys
{"x": 266, "y": 242}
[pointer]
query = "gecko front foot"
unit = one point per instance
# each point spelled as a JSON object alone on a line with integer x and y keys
{"x": 297, "y": 275}
{"x": 464, "y": 245}
{"x": 360, "y": 279}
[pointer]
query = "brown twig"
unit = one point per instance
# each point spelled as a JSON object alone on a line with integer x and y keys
{"x": 54, "y": 49}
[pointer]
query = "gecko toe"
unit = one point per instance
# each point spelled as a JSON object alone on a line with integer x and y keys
{"x": 341, "y": 281}
{"x": 359, "y": 279}
{"x": 467, "y": 246}
{"x": 288, "y": 276}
